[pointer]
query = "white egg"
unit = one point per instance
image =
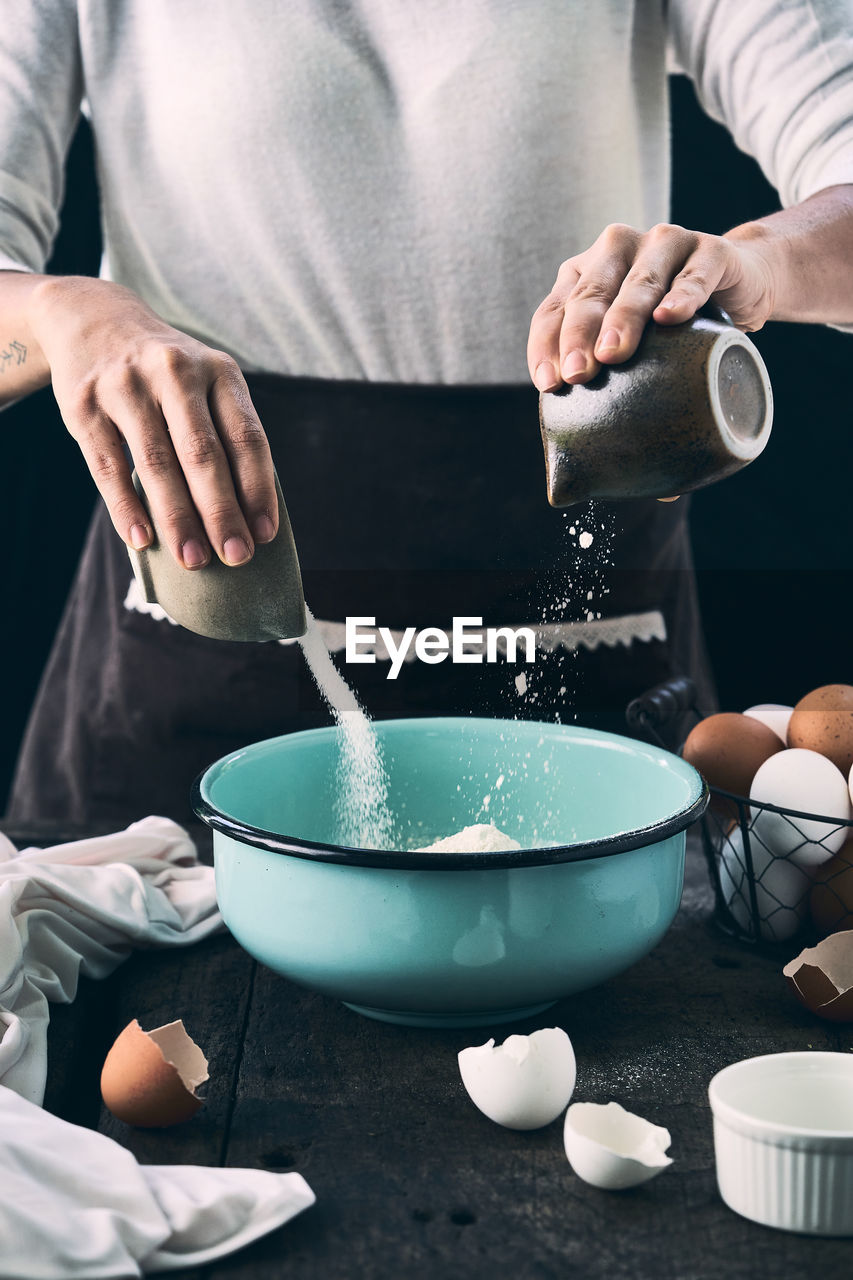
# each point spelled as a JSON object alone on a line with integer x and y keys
{"x": 781, "y": 888}
{"x": 803, "y": 780}
{"x": 850, "y": 782}
{"x": 524, "y": 1083}
{"x": 774, "y": 714}
{"x": 612, "y": 1148}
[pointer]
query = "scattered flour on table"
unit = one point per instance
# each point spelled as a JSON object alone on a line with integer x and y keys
{"x": 483, "y": 837}
{"x": 361, "y": 805}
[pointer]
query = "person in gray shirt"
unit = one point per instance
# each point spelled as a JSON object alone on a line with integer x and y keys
{"x": 368, "y": 203}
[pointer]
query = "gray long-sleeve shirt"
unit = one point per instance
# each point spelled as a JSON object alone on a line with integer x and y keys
{"x": 371, "y": 189}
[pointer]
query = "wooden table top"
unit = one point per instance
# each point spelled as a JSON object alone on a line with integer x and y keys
{"x": 411, "y": 1180}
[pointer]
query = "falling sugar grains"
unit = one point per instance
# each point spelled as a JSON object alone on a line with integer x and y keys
{"x": 361, "y": 808}
{"x": 574, "y": 592}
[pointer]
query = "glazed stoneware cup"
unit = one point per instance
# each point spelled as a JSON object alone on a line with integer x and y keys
{"x": 261, "y": 600}
{"x": 691, "y": 406}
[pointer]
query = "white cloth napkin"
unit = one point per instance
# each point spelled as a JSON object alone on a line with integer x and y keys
{"x": 73, "y": 1203}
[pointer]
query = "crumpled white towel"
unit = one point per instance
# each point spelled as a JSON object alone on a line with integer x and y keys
{"x": 81, "y": 908}
{"x": 73, "y": 1203}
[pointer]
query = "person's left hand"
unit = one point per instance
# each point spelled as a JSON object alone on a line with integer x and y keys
{"x": 602, "y": 299}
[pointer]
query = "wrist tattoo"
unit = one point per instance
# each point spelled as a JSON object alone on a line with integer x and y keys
{"x": 14, "y": 353}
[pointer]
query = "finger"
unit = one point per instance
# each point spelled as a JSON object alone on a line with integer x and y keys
{"x": 601, "y": 275}
{"x": 661, "y": 254}
{"x": 247, "y": 450}
{"x": 163, "y": 481}
{"x": 692, "y": 286}
{"x": 207, "y": 475}
{"x": 101, "y": 447}
{"x": 543, "y": 343}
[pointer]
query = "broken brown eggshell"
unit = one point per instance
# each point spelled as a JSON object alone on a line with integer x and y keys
{"x": 821, "y": 977}
{"x": 149, "y": 1078}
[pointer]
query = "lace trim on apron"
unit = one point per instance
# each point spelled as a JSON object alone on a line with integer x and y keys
{"x": 624, "y": 630}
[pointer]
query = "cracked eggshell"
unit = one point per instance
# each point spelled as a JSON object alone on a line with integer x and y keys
{"x": 524, "y": 1083}
{"x": 149, "y": 1078}
{"x": 612, "y": 1148}
{"x": 821, "y": 977}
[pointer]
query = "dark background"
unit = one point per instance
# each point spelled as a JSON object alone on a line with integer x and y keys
{"x": 772, "y": 544}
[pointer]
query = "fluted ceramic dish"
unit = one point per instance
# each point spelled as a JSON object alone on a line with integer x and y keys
{"x": 783, "y": 1139}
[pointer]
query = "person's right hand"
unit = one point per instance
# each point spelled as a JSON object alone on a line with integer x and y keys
{"x": 120, "y": 373}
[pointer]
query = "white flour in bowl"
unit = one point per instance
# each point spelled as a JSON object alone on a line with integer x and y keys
{"x": 483, "y": 837}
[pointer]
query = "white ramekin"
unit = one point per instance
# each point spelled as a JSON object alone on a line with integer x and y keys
{"x": 783, "y": 1138}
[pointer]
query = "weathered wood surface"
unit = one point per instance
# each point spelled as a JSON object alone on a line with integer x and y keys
{"x": 411, "y": 1180}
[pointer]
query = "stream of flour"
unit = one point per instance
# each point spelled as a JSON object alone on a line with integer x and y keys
{"x": 361, "y": 799}
{"x": 362, "y": 811}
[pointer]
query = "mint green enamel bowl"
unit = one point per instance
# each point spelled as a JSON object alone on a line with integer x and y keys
{"x": 465, "y": 939}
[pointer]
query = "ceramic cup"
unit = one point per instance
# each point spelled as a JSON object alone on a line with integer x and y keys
{"x": 261, "y": 600}
{"x": 691, "y": 406}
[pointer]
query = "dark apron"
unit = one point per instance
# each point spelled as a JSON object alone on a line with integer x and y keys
{"x": 409, "y": 504}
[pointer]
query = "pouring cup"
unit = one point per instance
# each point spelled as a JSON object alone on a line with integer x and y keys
{"x": 693, "y": 405}
{"x": 260, "y": 600}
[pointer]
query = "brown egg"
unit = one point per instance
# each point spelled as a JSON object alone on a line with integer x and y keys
{"x": 823, "y": 721}
{"x": 821, "y": 977}
{"x": 831, "y": 897}
{"x": 728, "y": 750}
{"x": 149, "y": 1078}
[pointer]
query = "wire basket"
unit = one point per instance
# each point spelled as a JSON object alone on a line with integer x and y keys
{"x": 776, "y": 873}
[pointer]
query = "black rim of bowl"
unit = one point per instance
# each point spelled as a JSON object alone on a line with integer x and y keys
{"x": 410, "y": 860}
